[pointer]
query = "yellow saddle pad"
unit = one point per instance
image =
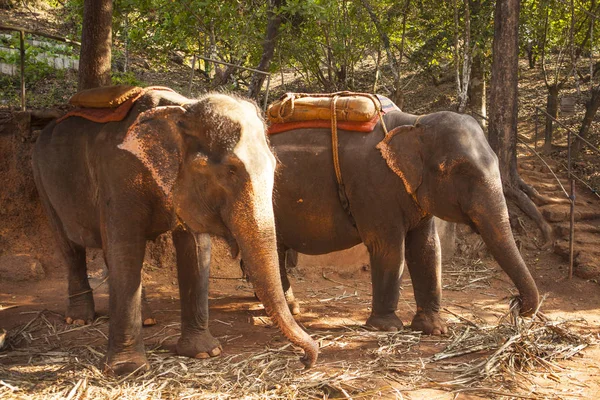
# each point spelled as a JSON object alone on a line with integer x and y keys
{"x": 105, "y": 97}
{"x": 349, "y": 106}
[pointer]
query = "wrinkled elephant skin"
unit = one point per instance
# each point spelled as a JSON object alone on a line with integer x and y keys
{"x": 193, "y": 167}
{"x": 435, "y": 165}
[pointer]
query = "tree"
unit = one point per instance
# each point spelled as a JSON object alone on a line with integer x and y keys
{"x": 96, "y": 42}
{"x": 273, "y": 24}
{"x": 481, "y": 13}
{"x": 555, "y": 86}
{"x": 462, "y": 82}
{"x": 395, "y": 64}
{"x": 504, "y": 110}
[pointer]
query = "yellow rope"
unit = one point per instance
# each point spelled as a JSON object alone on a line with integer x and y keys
{"x": 334, "y": 140}
{"x": 417, "y": 120}
{"x": 291, "y": 97}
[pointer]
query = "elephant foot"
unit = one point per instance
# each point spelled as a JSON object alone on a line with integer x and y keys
{"x": 389, "y": 322}
{"x": 198, "y": 345}
{"x": 292, "y": 302}
{"x": 125, "y": 363}
{"x": 429, "y": 323}
{"x": 80, "y": 310}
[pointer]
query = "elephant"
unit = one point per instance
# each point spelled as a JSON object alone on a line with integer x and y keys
{"x": 395, "y": 180}
{"x": 191, "y": 167}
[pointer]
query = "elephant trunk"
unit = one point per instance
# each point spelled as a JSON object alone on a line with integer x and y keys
{"x": 257, "y": 241}
{"x": 494, "y": 227}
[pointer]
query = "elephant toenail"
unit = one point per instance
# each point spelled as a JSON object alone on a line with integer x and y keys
{"x": 149, "y": 322}
{"x": 392, "y": 329}
{"x": 215, "y": 352}
{"x": 202, "y": 355}
{"x": 69, "y": 320}
{"x": 79, "y": 322}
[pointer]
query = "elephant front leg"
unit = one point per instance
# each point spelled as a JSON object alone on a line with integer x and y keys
{"x": 387, "y": 263}
{"x": 193, "y": 267}
{"x": 125, "y": 344}
{"x": 424, "y": 260}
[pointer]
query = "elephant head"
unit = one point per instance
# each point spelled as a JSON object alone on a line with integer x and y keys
{"x": 216, "y": 171}
{"x": 451, "y": 172}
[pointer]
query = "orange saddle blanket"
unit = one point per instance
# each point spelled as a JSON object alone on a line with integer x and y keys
{"x": 358, "y": 112}
{"x": 107, "y": 104}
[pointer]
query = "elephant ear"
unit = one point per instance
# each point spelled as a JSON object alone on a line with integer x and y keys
{"x": 154, "y": 139}
{"x": 401, "y": 150}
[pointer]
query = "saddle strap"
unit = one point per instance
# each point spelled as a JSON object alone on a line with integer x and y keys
{"x": 335, "y": 149}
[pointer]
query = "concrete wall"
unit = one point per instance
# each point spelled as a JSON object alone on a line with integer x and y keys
{"x": 56, "y": 61}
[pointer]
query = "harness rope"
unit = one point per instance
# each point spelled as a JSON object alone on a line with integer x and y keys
{"x": 291, "y": 97}
{"x": 343, "y": 196}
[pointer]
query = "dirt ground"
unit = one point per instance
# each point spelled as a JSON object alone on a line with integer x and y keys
{"x": 336, "y": 302}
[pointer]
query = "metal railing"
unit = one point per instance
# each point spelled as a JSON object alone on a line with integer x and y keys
{"x": 571, "y": 176}
{"x": 22, "y": 32}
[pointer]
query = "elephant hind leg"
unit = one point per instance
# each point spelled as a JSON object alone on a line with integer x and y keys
{"x": 80, "y": 309}
{"x": 148, "y": 318}
{"x": 288, "y": 257}
{"x": 424, "y": 260}
{"x": 387, "y": 263}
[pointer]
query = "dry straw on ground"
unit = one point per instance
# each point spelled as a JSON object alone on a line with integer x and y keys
{"x": 41, "y": 363}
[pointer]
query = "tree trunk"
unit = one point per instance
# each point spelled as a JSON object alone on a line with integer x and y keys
{"x": 551, "y": 109}
{"x": 591, "y": 107}
{"x": 462, "y": 82}
{"x": 504, "y": 109}
{"x": 477, "y": 89}
{"x": 503, "y": 88}
{"x": 383, "y": 36}
{"x": 273, "y": 24}
{"x": 531, "y": 55}
{"x": 96, "y": 42}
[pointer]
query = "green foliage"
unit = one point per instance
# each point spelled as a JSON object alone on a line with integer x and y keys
{"x": 9, "y": 91}
{"x": 125, "y": 78}
{"x": 326, "y": 39}
{"x": 546, "y": 24}
{"x": 327, "y": 42}
{"x": 230, "y": 30}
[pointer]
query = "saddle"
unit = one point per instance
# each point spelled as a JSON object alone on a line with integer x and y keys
{"x": 357, "y": 112}
{"x": 107, "y": 104}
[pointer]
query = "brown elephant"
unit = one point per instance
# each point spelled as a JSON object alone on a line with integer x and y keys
{"x": 438, "y": 164}
{"x": 193, "y": 167}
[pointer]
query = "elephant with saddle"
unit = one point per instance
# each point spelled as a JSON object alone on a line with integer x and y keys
{"x": 384, "y": 190}
{"x": 113, "y": 178}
